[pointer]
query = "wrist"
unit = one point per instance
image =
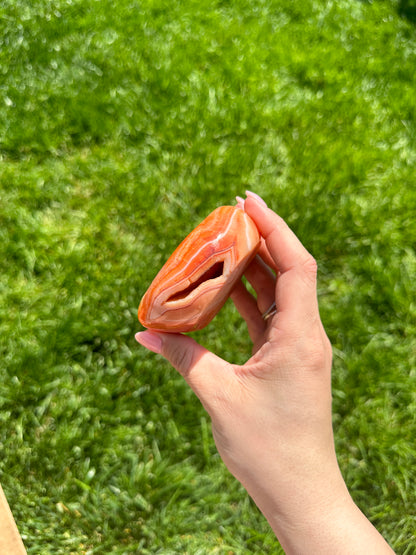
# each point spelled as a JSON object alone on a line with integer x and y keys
{"x": 306, "y": 502}
{"x": 327, "y": 522}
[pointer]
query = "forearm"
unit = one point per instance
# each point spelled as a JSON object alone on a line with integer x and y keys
{"x": 333, "y": 527}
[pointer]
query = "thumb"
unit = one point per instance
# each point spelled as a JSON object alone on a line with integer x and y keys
{"x": 207, "y": 374}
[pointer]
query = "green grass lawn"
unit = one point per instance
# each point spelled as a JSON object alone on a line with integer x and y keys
{"x": 122, "y": 125}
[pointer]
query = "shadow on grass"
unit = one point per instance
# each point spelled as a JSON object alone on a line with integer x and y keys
{"x": 407, "y": 9}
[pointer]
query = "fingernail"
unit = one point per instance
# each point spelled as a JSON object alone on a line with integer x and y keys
{"x": 256, "y": 197}
{"x": 150, "y": 340}
{"x": 240, "y": 202}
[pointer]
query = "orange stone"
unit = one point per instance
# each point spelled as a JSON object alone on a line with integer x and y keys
{"x": 200, "y": 274}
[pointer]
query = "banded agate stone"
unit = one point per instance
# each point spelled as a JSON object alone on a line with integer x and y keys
{"x": 199, "y": 276}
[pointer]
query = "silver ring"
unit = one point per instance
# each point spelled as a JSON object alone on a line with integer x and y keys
{"x": 271, "y": 311}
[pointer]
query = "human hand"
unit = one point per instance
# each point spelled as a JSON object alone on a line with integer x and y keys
{"x": 271, "y": 417}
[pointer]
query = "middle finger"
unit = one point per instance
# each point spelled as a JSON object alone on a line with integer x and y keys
{"x": 263, "y": 281}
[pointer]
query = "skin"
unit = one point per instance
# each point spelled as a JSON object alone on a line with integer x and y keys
{"x": 271, "y": 417}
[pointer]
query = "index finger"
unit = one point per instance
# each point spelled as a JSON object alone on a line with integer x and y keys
{"x": 284, "y": 247}
{"x": 296, "y": 284}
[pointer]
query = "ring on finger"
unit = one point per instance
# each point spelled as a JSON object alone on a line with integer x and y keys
{"x": 271, "y": 311}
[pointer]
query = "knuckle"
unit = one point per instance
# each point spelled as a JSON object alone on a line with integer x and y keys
{"x": 310, "y": 266}
{"x": 320, "y": 352}
{"x": 315, "y": 350}
{"x": 308, "y": 270}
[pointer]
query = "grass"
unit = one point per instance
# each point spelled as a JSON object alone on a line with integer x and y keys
{"x": 120, "y": 129}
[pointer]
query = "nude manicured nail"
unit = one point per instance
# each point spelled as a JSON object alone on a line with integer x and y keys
{"x": 240, "y": 202}
{"x": 256, "y": 197}
{"x": 151, "y": 341}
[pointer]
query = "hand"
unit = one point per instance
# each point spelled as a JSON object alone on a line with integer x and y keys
{"x": 271, "y": 417}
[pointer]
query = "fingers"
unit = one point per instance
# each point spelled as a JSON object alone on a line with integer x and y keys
{"x": 263, "y": 281}
{"x": 296, "y": 285}
{"x": 206, "y": 373}
{"x": 284, "y": 247}
{"x": 251, "y": 309}
{"x": 263, "y": 252}
{"x": 246, "y": 305}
